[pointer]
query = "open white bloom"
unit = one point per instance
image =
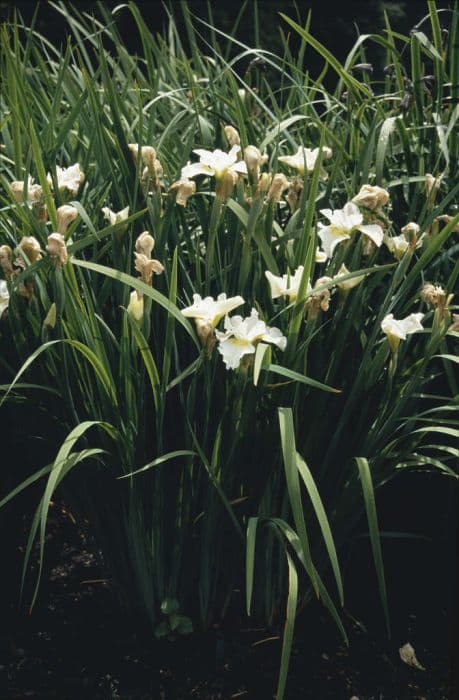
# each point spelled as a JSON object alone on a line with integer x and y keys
{"x": 241, "y": 336}
{"x": 68, "y": 178}
{"x": 305, "y": 159}
{"x": 287, "y": 285}
{"x": 4, "y": 297}
{"x": 215, "y": 163}
{"x": 346, "y": 285}
{"x": 343, "y": 222}
{"x": 115, "y": 217}
{"x": 397, "y": 245}
{"x": 398, "y": 330}
{"x": 211, "y": 310}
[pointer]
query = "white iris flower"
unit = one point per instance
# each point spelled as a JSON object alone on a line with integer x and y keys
{"x": 346, "y": 285}
{"x": 304, "y": 160}
{"x": 215, "y": 163}
{"x": 398, "y": 330}
{"x": 287, "y": 285}
{"x": 397, "y": 245}
{"x": 241, "y": 336}
{"x": 68, "y": 178}
{"x": 210, "y": 310}
{"x": 343, "y": 222}
{"x": 115, "y": 217}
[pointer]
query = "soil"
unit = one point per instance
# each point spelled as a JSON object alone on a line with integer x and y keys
{"x": 78, "y": 644}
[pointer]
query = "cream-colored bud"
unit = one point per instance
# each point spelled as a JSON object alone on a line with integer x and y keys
{"x": 50, "y": 318}
{"x": 436, "y": 297}
{"x": 145, "y": 244}
{"x": 454, "y": 323}
{"x": 432, "y": 185}
{"x": 294, "y": 192}
{"x": 153, "y": 172}
{"x": 410, "y": 229}
{"x": 371, "y": 196}
{"x": 431, "y": 294}
{"x": 136, "y": 306}
{"x": 447, "y": 218}
{"x": 34, "y": 192}
{"x": 232, "y": 135}
{"x": 6, "y": 260}
{"x": 147, "y": 154}
{"x": 17, "y": 188}
{"x": 254, "y": 160}
{"x": 225, "y": 185}
{"x": 318, "y": 301}
{"x": 264, "y": 183}
{"x": 184, "y": 189}
{"x": 57, "y": 249}
{"x": 278, "y": 185}
{"x": 30, "y": 248}
{"x": 65, "y": 215}
{"x": 324, "y": 295}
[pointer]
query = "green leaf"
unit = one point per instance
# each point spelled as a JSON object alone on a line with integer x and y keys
{"x": 160, "y": 460}
{"x": 370, "y": 507}
{"x": 292, "y": 602}
{"x": 261, "y": 351}
{"x": 250, "y": 560}
{"x": 297, "y": 377}
{"x": 92, "y": 358}
{"x": 293, "y": 486}
{"x": 319, "y": 509}
{"x": 147, "y": 357}
{"x": 140, "y": 286}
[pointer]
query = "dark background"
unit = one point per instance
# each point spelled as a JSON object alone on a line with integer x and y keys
{"x": 336, "y": 24}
